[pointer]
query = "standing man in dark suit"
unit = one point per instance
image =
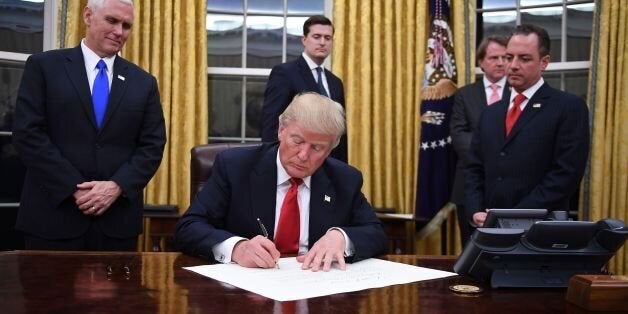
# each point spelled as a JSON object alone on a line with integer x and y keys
{"x": 306, "y": 73}
{"x": 530, "y": 150}
{"x": 306, "y": 203}
{"x": 469, "y": 101}
{"x": 90, "y": 129}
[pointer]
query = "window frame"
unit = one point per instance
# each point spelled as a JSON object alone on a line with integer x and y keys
{"x": 555, "y": 66}
{"x": 244, "y": 72}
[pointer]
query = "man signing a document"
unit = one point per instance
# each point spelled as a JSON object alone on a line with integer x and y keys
{"x": 309, "y": 203}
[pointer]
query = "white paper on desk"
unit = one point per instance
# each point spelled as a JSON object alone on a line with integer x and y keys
{"x": 290, "y": 282}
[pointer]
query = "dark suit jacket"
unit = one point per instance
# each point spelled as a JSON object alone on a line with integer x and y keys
{"x": 287, "y": 80}
{"x": 243, "y": 187}
{"x": 57, "y": 138}
{"x": 469, "y": 102}
{"x": 539, "y": 165}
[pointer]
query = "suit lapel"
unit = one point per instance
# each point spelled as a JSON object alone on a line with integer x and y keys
{"x": 75, "y": 68}
{"x": 322, "y": 204}
{"x": 118, "y": 87}
{"x": 263, "y": 187}
{"x": 333, "y": 87}
{"x": 534, "y": 106}
{"x": 480, "y": 95}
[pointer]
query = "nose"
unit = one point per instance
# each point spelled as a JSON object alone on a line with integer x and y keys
{"x": 304, "y": 153}
{"x": 117, "y": 29}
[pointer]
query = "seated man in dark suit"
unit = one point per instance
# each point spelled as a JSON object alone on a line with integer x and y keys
{"x": 309, "y": 203}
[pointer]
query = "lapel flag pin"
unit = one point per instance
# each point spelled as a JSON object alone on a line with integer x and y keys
{"x": 120, "y": 77}
{"x": 537, "y": 105}
{"x": 327, "y": 199}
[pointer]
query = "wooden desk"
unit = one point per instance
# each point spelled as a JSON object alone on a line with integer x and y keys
{"x": 75, "y": 282}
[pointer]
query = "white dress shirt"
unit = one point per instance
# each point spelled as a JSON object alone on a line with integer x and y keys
{"x": 313, "y": 67}
{"x": 91, "y": 59}
{"x": 528, "y": 93}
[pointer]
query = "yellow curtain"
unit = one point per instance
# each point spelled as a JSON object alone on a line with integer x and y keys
{"x": 608, "y": 91}
{"x": 169, "y": 41}
{"x": 379, "y": 52}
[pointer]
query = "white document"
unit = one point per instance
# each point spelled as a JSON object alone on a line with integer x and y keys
{"x": 290, "y": 282}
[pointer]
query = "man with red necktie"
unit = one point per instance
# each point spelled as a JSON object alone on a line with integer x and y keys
{"x": 287, "y": 198}
{"x": 531, "y": 150}
{"x": 469, "y": 102}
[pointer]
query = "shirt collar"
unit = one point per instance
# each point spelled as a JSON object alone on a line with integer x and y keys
{"x": 528, "y": 92}
{"x": 310, "y": 62}
{"x": 283, "y": 176}
{"x": 487, "y": 83}
{"x": 91, "y": 58}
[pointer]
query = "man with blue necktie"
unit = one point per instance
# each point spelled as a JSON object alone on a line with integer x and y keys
{"x": 306, "y": 73}
{"x": 90, "y": 129}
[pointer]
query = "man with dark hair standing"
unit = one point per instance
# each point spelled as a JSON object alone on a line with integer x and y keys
{"x": 306, "y": 73}
{"x": 530, "y": 150}
{"x": 90, "y": 129}
{"x": 469, "y": 102}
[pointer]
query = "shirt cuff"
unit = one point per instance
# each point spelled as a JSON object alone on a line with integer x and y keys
{"x": 349, "y": 248}
{"x": 222, "y": 251}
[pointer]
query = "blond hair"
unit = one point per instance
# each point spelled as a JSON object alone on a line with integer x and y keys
{"x": 317, "y": 114}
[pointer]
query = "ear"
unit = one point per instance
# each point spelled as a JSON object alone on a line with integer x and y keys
{"x": 280, "y": 131}
{"x": 303, "y": 39}
{"x": 87, "y": 16}
{"x": 545, "y": 60}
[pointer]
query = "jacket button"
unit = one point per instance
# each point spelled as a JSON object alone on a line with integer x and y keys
{"x": 502, "y": 154}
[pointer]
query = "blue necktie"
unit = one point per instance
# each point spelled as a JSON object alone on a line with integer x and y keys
{"x": 100, "y": 92}
{"x": 321, "y": 87}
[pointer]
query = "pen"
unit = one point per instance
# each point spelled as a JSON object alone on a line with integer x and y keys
{"x": 265, "y": 234}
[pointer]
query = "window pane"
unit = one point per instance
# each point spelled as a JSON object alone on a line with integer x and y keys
{"x": 265, "y": 6}
{"x": 305, "y": 7}
{"x": 550, "y": 19}
{"x": 226, "y": 5}
{"x": 224, "y": 40}
{"x": 491, "y": 4}
{"x": 264, "y": 41}
{"x": 576, "y": 82}
{"x": 10, "y": 76}
{"x": 225, "y": 109}
{"x": 539, "y": 2}
{"x": 579, "y": 28}
{"x": 295, "y": 32}
{"x": 255, "y": 87}
{"x": 22, "y": 26}
{"x": 496, "y": 23}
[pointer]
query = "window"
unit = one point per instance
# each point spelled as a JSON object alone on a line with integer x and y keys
{"x": 26, "y": 27}
{"x": 245, "y": 39}
{"x": 569, "y": 24}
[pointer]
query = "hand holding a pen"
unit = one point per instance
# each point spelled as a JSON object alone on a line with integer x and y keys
{"x": 257, "y": 252}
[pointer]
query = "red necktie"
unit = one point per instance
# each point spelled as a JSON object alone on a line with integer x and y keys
{"x": 514, "y": 112}
{"x": 494, "y": 95}
{"x": 289, "y": 226}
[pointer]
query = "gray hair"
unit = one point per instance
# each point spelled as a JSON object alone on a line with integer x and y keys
{"x": 97, "y": 4}
{"x": 317, "y": 114}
